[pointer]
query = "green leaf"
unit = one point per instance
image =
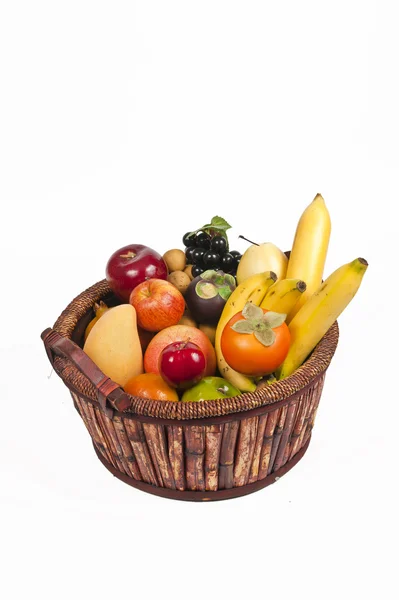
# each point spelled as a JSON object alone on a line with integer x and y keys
{"x": 266, "y": 337}
{"x": 252, "y": 312}
{"x": 217, "y": 224}
{"x": 225, "y": 292}
{"x": 242, "y": 327}
{"x": 274, "y": 319}
{"x": 220, "y": 223}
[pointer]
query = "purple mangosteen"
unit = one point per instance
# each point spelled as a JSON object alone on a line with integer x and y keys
{"x": 207, "y": 294}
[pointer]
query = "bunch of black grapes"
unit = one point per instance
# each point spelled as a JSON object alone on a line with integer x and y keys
{"x": 205, "y": 252}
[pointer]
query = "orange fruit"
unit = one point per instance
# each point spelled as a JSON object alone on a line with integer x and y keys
{"x": 152, "y": 386}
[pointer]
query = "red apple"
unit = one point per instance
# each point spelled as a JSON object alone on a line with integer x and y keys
{"x": 179, "y": 333}
{"x": 182, "y": 364}
{"x": 158, "y": 304}
{"x": 131, "y": 265}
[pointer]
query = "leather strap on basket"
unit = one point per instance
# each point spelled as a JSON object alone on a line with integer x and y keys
{"x": 107, "y": 390}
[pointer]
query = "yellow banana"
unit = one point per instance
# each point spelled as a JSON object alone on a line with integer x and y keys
{"x": 317, "y": 315}
{"x": 252, "y": 290}
{"x": 309, "y": 249}
{"x": 283, "y": 295}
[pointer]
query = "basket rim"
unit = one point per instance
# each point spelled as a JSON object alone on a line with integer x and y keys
{"x": 279, "y": 391}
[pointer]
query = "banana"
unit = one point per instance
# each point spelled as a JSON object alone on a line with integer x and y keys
{"x": 309, "y": 249}
{"x": 317, "y": 315}
{"x": 252, "y": 290}
{"x": 283, "y": 295}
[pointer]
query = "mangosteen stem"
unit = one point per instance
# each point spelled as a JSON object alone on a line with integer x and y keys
{"x": 247, "y": 240}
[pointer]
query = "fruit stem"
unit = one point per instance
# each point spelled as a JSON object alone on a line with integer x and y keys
{"x": 247, "y": 240}
{"x": 129, "y": 254}
{"x": 301, "y": 286}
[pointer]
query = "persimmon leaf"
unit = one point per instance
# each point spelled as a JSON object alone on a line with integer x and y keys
{"x": 243, "y": 327}
{"x": 274, "y": 319}
{"x": 252, "y": 312}
{"x": 266, "y": 337}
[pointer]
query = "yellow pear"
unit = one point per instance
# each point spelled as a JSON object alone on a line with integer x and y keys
{"x": 114, "y": 345}
{"x": 260, "y": 258}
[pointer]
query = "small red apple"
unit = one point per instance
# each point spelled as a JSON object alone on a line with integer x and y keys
{"x": 182, "y": 364}
{"x": 131, "y": 265}
{"x": 158, "y": 304}
{"x": 179, "y": 333}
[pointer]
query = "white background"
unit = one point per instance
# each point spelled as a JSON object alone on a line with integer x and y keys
{"x": 135, "y": 122}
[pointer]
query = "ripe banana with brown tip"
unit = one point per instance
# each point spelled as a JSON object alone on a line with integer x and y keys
{"x": 283, "y": 295}
{"x": 317, "y": 315}
{"x": 252, "y": 290}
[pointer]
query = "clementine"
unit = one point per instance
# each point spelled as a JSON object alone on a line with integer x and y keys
{"x": 152, "y": 386}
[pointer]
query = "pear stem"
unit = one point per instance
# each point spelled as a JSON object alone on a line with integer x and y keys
{"x": 247, "y": 240}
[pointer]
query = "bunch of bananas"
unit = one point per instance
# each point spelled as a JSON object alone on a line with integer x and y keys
{"x": 311, "y": 305}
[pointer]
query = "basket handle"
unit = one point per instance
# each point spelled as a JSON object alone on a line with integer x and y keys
{"x": 107, "y": 389}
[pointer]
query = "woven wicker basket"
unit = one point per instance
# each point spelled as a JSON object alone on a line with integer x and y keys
{"x": 189, "y": 451}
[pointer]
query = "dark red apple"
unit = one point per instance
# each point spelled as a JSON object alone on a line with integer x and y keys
{"x": 182, "y": 364}
{"x": 131, "y": 265}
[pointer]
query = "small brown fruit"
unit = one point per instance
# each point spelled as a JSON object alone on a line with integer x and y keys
{"x": 175, "y": 259}
{"x": 188, "y": 270}
{"x": 210, "y": 332}
{"x": 187, "y": 320}
{"x": 180, "y": 280}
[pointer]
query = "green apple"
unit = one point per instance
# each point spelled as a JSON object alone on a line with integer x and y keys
{"x": 210, "y": 388}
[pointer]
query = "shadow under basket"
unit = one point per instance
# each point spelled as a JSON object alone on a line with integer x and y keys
{"x": 188, "y": 450}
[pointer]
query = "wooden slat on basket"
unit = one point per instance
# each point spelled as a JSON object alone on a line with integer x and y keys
{"x": 313, "y": 411}
{"x": 277, "y": 437}
{"x": 283, "y": 445}
{"x": 151, "y": 436}
{"x": 301, "y": 439}
{"x": 195, "y": 456}
{"x": 267, "y": 443}
{"x": 213, "y": 442}
{"x": 227, "y": 450}
{"x": 176, "y": 454}
{"x": 109, "y": 432}
{"x": 99, "y": 432}
{"x": 245, "y": 450}
{"x": 254, "y": 471}
{"x": 87, "y": 420}
{"x": 156, "y": 441}
{"x": 287, "y": 450}
{"x": 296, "y": 432}
{"x": 127, "y": 448}
{"x": 137, "y": 439}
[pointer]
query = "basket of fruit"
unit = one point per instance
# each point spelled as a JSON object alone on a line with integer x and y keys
{"x": 198, "y": 373}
